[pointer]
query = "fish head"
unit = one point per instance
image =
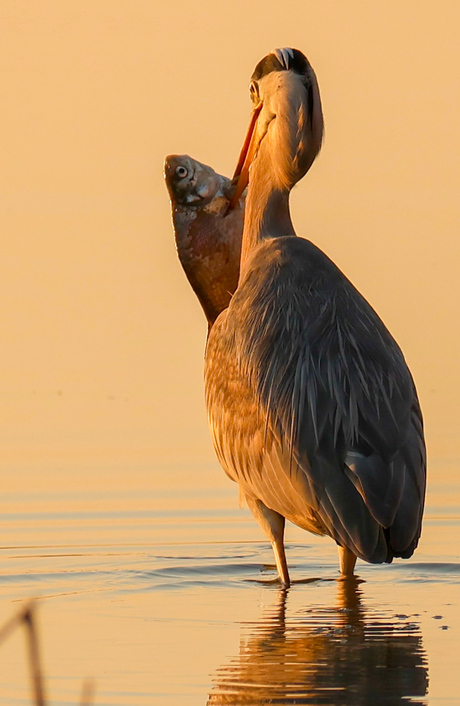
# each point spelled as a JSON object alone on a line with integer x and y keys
{"x": 189, "y": 182}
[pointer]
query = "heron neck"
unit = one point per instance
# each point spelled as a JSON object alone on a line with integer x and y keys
{"x": 267, "y": 212}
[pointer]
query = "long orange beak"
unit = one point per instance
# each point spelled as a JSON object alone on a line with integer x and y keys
{"x": 246, "y": 157}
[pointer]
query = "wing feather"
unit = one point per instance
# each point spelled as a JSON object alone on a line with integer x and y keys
{"x": 305, "y": 380}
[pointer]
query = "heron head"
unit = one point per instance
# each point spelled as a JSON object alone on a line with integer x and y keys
{"x": 286, "y": 122}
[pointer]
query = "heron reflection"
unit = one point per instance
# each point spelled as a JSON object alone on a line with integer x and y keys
{"x": 341, "y": 656}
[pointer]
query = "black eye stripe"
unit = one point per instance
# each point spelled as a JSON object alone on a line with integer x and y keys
{"x": 266, "y": 66}
{"x": 295, "y": 59}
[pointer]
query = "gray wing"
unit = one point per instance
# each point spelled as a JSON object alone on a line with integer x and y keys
{"x": 330, "y": 400}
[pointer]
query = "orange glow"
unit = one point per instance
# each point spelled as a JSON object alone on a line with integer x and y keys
{"x": 113, "y": 507}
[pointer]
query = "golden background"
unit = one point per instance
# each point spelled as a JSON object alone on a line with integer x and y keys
{"x": 101, "y": 337}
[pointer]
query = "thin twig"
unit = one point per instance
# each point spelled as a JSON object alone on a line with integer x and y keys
{"x": 26, "y": 616}
{"x": 34, "y": 655}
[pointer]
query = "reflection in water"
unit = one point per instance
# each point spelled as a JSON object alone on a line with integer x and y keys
{"x": 338, "y": 656}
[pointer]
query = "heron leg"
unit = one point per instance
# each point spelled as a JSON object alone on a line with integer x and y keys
{"x": 272, "y": 524}
{"x": 347, "y": 561}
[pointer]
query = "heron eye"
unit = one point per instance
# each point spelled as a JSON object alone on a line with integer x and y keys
{"x": 181, "y": 172}
{"x": 254, "y": 91}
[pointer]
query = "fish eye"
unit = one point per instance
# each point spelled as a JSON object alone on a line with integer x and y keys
{"x": 181, "y": 172}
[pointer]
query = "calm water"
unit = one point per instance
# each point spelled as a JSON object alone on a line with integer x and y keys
{"x": 167, "y": 596}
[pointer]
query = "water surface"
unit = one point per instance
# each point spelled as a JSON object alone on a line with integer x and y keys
{"x": 165, "y": 593}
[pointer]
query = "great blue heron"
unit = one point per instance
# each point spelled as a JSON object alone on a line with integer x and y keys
{"x": 312, "y": 408}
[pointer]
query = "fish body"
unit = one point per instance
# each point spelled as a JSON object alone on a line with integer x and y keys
{"x": 208, "y": 236}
